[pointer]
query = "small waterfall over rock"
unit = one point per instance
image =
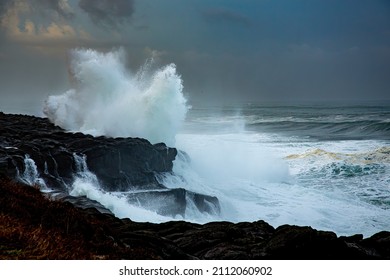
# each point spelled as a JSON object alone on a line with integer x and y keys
{"x": 30, "y": 174}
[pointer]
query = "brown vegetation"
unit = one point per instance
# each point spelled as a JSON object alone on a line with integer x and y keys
{"x": 35, "y": 227}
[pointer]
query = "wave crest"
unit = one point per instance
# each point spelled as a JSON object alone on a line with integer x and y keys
{"x": 107, "y": 99}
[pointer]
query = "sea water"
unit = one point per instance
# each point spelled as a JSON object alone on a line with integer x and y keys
{"x": 325, "y": 166}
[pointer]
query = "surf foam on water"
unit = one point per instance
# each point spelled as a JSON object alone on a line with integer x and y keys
{"x": 233, "y": 167}
{"x": 108, "y": 99}
{"x": 86, "y": 184}
{"x": 341, "y": 186}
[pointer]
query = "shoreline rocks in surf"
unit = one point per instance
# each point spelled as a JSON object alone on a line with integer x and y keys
{"x": 36, "y": 152}
{"x": 34, "y": 227}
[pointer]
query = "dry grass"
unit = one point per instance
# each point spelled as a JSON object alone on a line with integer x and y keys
{"x": 21, "y": 241}
{"x": 33, "y": 227}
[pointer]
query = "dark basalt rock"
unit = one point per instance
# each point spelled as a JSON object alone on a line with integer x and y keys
{"x": 120, "y": 164}
{"x": 173, "y": 202}
{"x": 117, "y": 163}
{"x": 256, "y": 240}
{"x": 81, "y": 202}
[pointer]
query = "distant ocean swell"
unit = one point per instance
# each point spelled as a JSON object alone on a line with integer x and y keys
{"x": 328, "y": 130}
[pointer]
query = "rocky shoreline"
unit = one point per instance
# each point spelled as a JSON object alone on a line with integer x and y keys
{"x": 36, "y": 152}
{"x": 35, "y": 225}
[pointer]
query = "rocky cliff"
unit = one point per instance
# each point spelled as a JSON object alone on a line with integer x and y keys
{"x": 36, "y": 152}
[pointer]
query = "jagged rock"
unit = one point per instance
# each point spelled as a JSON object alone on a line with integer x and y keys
{"x": 380, "y": 242}
{"x": 173, "y": 202}
{"x": 117, "y": 163}
{"x": 120, "y": 164}
{"x": 300, "y": 241}
{"x": 79, "y": 201}
{"x": 294, "y": 242}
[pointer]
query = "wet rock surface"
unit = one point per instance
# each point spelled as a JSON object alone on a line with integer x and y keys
{"x": 117, "y": 162}
{"x": 173, "y": 202}
{"x": 120, "y": 164}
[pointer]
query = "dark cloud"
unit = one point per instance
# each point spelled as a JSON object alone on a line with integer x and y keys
{"x": 224, "y": 15}
{"x": 60, "y": 7}
{"x": 110, "y": 13}
{"x": 4, "y": 5}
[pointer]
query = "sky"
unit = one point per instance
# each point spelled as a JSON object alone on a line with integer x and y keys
{"x": 226, "y": 51}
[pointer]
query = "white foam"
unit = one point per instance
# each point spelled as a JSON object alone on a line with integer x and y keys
{"x": 107, "y": 99}
{"x": 254, "y": 180}
{"x": 115, "y": 203}
{"x": 232, "y": 157}
{"x": 87, "y": 184}
{"x": 31, "y": 175}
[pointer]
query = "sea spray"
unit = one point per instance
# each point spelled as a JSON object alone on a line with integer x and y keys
{"x": 107, "y": 99}
{"x": 234, "y": 168}
{"x": 283, "y": 178}
{"x": 30, "y": 174}
{"x": 87, "y": 184}
{"x": 227, "y": 157}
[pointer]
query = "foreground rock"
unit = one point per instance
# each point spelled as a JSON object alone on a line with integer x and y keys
{"x": 36, "y": 152}
{"x": 33, "y": 227}
{"x": 117, "y": 163}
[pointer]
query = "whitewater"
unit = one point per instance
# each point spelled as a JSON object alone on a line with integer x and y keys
{"x": 323, "y": 166}
{"x": 293, "y": 164}
{"x": 107, "y": 99}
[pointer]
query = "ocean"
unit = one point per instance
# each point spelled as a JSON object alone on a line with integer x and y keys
{"x": 325, "y": 165}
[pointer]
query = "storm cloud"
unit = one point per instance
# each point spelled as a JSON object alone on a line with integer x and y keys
{"x": 112, "y": 13}
{"x": 4, "y": 6}
{"x": 59, "y": 7}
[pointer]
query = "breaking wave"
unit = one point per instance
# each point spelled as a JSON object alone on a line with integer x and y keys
{"x": 107, "y": 99}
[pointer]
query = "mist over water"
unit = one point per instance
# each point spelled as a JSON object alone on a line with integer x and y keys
{"x": 107, "y": 99}
{"x": 284, "y": 176}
